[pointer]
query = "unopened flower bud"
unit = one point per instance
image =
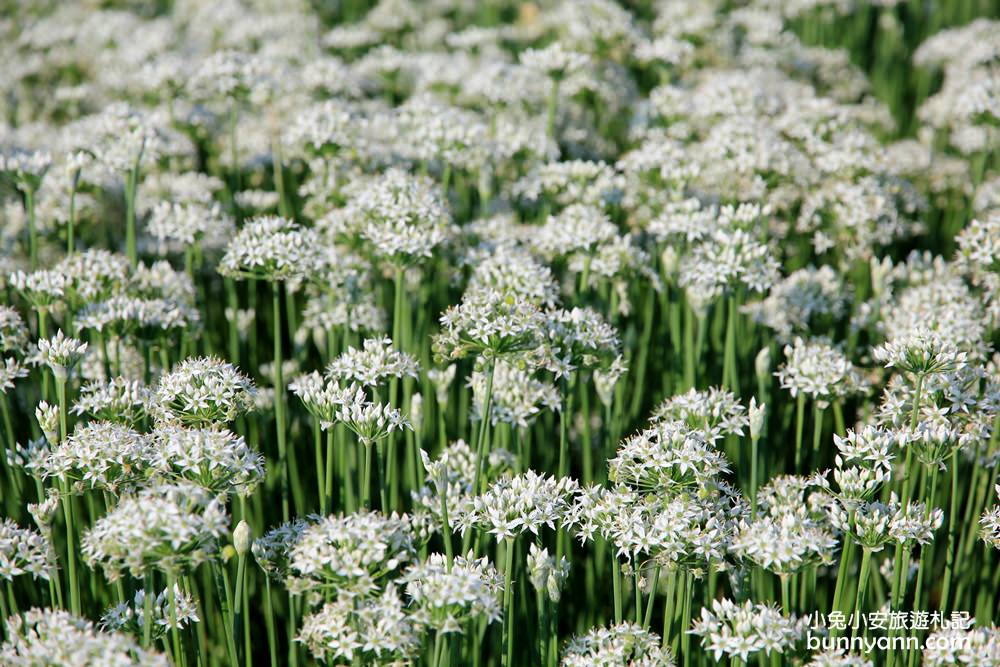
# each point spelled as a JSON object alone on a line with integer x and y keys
{"x": 48, "y": 419}
{"x": 879, "y": 269}
{"x": 762, "y": 365}
{"x": 669, "y": 260}
{"x": 417, "y": 411}
{"x": 241, "y": 537}
{"x": 757, "y": 414}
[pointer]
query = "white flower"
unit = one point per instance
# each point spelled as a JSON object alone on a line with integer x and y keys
{"x": 616, "y": 646}
{"x": 401, "y": 215}
{"x": 216, "y": 459}
{"x": 920, "y": 352}
{"x": 742, "y": 630}
{"x": 554, "y": 60}
{"x": 444, "y": 598}
{"x": 818, "y": 370}
{"x": 515, "y": 505}
{"x": 272, "y": 249}
{"x": 203, "y": 391}
{"x": 546, "y": 576}
{"x": 374, "y": 362}
{"x": 368, "y": 420}
{"x": 47, "y": 637}
{"x": 24, "y": 551}
{"x": 99, "y": 455}
{"x": 129, "y": 616}
{"x": 180, "y": 528}
{"x": 376, "y": 630}
{"x": 349, "y": 555}
{"x": 489, "y": 321}
{"x": 60, "y": 353}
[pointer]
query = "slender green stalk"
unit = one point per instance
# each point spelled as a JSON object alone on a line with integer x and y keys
{"x": 74, "y": 584}
{"x": 175, "y": 633}
{"x": 926, "y": 563}
{"x": 859, "y": 600}
{"x": 817, "y": 433}
{"x": 648, "y": 618}
{"x": 949, "y": 566}
{"x": 366, "y": 480}
{"x": 908, "y": 477}
{"x": 730, "y": 374}
{"x": 668, "y": 609}
{"x": 233, "y": 305}
{"x": 226, "y": 604}
{"x": 320, "y": 466}
{"x": 846, "y": 558}
{"x": 482, "y": 446}
{"x": 149, "y": 592}
{"x": 131, "y": 187}
{"x": 508, "y": 597}
{"x": 328, "y": 476}
{"x": 446, "y": 528}
{"x": 29, "y": 205}
{"x": 279, "y": 397}
{"x": 550, "y": 109}
{"x": 636, "y": 577}
{"x": 616, "y": 583}
{"x": 272, "y": 642}
{"x": 383, "y": 489}
{"x": 800, "y": 414}
{"x": 754, "y": 458}
{"x": 4, "y": 611}
{"x": 686, "y": 618}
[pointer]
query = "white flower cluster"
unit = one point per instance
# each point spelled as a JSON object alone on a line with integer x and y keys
{"x": 47, "y": 637}
{"x": 349, "y": 555}
{"x": 180, "y": 529}
{"x": 743, "y": 630}
{"x": 815, "y": 369}
{"x": 204, "y": 391}
{"x": 623, "y": 644}
{"x": 271, "y": 248}
{"x": 445, "y": 597}
{"x": 520, "y": 504}
{"x": 129, "y": 616}
{"x": 24, "y": 551}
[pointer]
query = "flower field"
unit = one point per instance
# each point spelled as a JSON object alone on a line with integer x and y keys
{"x": 472, "y": 333}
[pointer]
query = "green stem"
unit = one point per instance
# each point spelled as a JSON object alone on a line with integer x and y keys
{"x": 817, "y": 433}
{"x": 859, "y": 600}
{"x": 328, "y": 477}
{"x": 949, "y": 566}
{"x": 74, "y": 585}
{"x": 446, "y": 527}
{"x": 754, "y": 457}
{"x": 366, "y": 480}
{"x": 800, "y": 414}
{"x": 730, "y": 376}
{"x": 272, "y": 642}
{"x": 550, "y": 109}
{"x": 482, "y": 446}
{"x": 908, "y": 477}
{"x": 652, "y": 598}
{"x": 175, "y": 631}
{"x": 131, "y": 186}
{"x": 786, "y": 594}
{"x": 508, "y": 597}
{"x": 616, "y": 582}
{"x": 320, "y": 466}
{"x": 147, "y": 609}
{"x": 29, "y": 205}
{"x": 279, "y": 397}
